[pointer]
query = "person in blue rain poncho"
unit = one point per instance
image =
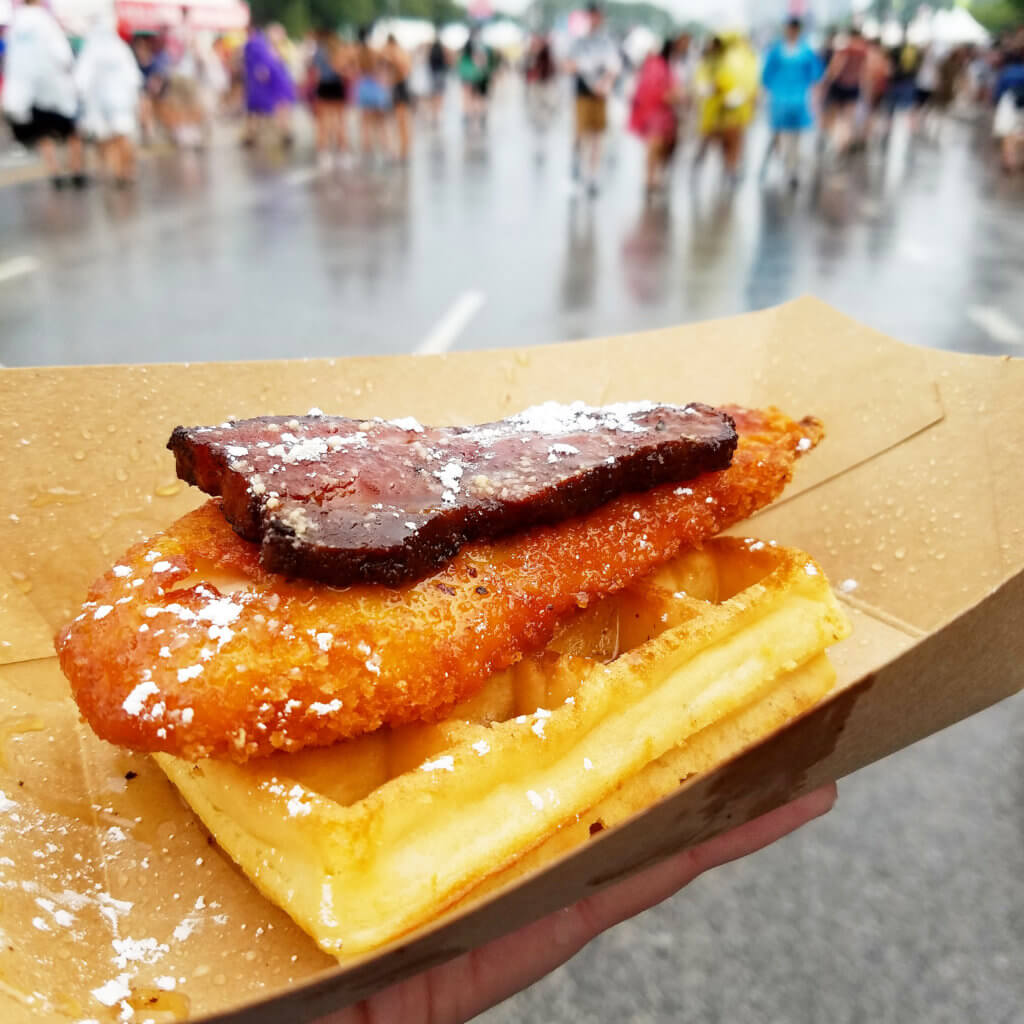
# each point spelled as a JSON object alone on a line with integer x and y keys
{"x": 791, "y": 70}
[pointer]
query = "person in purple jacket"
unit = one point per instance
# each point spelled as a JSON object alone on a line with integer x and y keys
{"x": 269, "y": 90}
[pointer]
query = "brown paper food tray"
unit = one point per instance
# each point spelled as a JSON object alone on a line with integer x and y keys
{"x": 916, "y": 496}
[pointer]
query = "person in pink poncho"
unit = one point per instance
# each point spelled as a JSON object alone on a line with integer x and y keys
{"x": 654, "y": 115}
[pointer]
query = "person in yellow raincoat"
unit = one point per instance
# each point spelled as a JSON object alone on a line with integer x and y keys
{"x": 726, "y": 83}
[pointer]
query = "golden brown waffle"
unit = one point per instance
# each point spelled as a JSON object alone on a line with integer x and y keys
{"x": 365, "y": 840}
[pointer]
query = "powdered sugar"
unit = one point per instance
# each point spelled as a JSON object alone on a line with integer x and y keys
{"x": 136, "y": 700}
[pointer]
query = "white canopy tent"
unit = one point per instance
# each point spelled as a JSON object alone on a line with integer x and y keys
{"x": 152, "y": 15}
{"x": 947, "y": 28}
{"x": 504, "y": 36}
{"x": 411, "y": 33}
{"x": 640, "y": 43}
{"x": 958, "y": 26}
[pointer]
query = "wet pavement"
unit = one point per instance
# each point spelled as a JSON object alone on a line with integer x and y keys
{"x": 906, "y": 904}
{"x": 235, "y": 255}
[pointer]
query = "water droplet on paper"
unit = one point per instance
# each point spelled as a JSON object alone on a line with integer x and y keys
{"x": 121, "y": 474}
{"x": 169, "y": 490}
{"x": 54, "y": 496}
{"x": 79, "y": 456}
{"x": 20, "y": 724}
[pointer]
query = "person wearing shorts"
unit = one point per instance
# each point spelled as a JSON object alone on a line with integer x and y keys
{"x": 791, "y": 70}
{"x": 653, "y": 115}
{"x": 925, "y": 87}
{"x": 844, "y": 82}
{"x": 40, "y": 102}
{"x": 437, "y": 65}
{"x": 329, "y": 95}
{"x": 1008, "y": 125}
{"x": 399, "y": 67}
{"x": 595, "y": 64}
{"x": 269, "y": 90}
{"x": 906, "y": 62}
{"x": 476, "y": 67}
{"x": 109, "y": 81}
{"x": 373, "y": 96}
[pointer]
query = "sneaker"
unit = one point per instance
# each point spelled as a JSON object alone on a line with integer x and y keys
{"x": 79, "y": 181}
{"x": 60, "y": 182}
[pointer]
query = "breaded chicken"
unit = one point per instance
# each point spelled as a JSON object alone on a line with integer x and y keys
{"x": 189, "y": 646}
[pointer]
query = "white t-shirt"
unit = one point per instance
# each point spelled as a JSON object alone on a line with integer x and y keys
{"x": 928, "y": 75}
{"x": 107, "y": 74}
{"x": 595, "y": 57}
{"x": 37, "y": 69}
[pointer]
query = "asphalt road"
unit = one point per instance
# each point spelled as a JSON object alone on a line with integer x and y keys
{"x": 904, "y": 905}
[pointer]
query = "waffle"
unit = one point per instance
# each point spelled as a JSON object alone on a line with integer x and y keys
{"x": 363, "y": 841}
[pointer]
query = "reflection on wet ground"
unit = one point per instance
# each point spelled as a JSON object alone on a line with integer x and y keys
{"x": 237, "y": 255}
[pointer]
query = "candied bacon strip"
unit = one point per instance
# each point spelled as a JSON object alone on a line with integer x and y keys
{"x": 164, "y": 659}
{"x": 345, "y": 501}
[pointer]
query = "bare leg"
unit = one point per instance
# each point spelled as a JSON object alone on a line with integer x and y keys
{"x": 595, "y": 144}
{"x": 126, "y": 152}
{"x": 339, "y": 115}
{"x": 402, "y": 120}
{"x": 702, "y": 149}
{"x": 1009, "y": 154}
{"x": 653, "y": 163}
{"x": 48, "y": 151}
{"x": 770, "y": 152}
{"x": 251, "y": 129}
{"x": 368, "y": 124}
{"x": 732, "y": 150}
{"x": 283, "y": 117}
{"x": 790, "y": 142}
{"x": 321, "y": 118}
{"x": 146, "y": 119}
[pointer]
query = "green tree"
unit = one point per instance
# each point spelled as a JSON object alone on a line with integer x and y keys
{"x": 904, "y": 10}
{"x": 999, "y": 15}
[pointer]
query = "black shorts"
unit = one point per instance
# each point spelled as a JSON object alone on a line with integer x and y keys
{"x": 43, "y": 124}
{"x": 400, "y": 95}
{"x": 331, "y": 92}
{"x": 840, "y": 95}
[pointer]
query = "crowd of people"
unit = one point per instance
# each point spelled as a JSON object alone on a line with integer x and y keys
{"x": 854, "y": 86}
{"x": 362, "y": 92}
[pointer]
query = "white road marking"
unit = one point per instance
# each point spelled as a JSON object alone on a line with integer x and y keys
{"x": 17, "y": 266}
{"x": 452, "y": 324}
{"x": 996, "y": 324}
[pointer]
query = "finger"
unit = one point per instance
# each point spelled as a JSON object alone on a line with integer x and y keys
{"x": 658, "y": 883}
{"x": 468, "y": 985}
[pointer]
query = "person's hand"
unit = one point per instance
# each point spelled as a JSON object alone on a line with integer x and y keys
{"x": 468, "y": 985}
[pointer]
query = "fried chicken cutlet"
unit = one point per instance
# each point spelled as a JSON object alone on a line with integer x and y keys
{"x": 167, "y": 657}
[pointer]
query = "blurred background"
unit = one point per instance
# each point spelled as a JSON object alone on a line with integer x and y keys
{"x": 221, "y": 180}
